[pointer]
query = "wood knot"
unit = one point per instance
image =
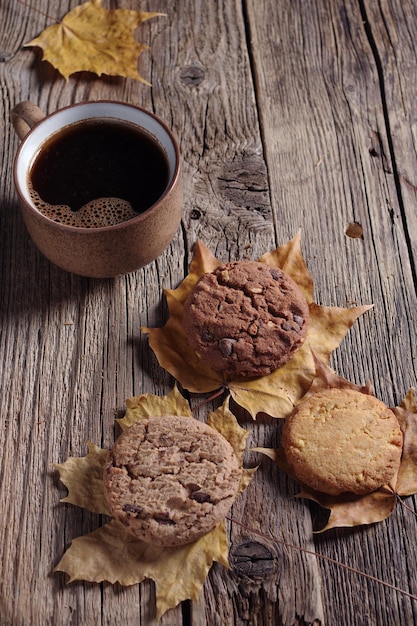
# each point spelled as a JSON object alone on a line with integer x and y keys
{"x": 192, "y": 75}
{"x": 252, "y": 559}
{"x": 195, "y": 214}
{"x": 244, "y": 184}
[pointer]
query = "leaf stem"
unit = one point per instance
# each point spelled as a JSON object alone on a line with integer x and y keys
{"x": 401, "y": 501}
{"x": 326, "y": 558}
{"x": 215, "y": 395}
{"x": 27, "y": 5}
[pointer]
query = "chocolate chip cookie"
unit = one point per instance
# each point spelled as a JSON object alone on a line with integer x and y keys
{"x": 246, "y": 318}
{"x": 342, "y": 440}
{"x": 170, "y": 480}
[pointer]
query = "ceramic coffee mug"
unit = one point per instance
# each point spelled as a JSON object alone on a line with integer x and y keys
{"x": 104, "y": 251}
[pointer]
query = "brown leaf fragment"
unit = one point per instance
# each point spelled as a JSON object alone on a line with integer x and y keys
{"x": 223, "y": 420}
{"x": 346, "y": 510}
{"x": 225, "y": 423}
{"x": 93, "y": 39}
{"x": 330, "y": 325}
{"x": 407, "y": 416}
{"x": 349, "y": 510}
{"x": 326, "y": 378}
{"x": 276, "y": 393}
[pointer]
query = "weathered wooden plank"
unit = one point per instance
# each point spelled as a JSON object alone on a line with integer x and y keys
{"x": 230, "y": 211}
{"x": 72, "y": 354}
{"x": 83, "y": 349}
{"x": 323, "y": 120}
{"x": 390, "y": 32}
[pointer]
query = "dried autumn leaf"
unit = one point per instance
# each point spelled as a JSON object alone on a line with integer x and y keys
{"x": 110, "y": 553}
{"x": 349, "y": 510}
{"x": 276, "y": 393}
{"x": 146, "y": 405}
{"x": 407, "y": 416}
{"x": 346, "y": 510}
{"x": 225, "y": 423}
{"x": 93, "y": 39}
{"x": 83, "y": 477}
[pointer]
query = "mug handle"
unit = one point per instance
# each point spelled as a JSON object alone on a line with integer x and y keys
{"x": 24, "y": 116}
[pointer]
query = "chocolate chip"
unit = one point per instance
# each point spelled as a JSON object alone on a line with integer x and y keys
{"x": 226, "y": 346}
{"x": 163, "y": 518}
{"x": 206, "y": 335}
{"x": 193, "y": 486}
{"x": 287, "y": 326}
{"x": 276, "y": 274}
{"x": 298, "y": 320}
{"x": 200, "y": 497}
{"x": 132, "y": 508}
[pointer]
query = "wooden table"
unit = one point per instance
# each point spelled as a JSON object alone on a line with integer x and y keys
{"x": 290, "y": 115}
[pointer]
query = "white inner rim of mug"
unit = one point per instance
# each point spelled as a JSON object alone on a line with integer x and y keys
{"x": 102, "y": 110}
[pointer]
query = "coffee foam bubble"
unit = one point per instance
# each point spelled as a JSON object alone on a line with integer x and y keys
{"x": 95, "y": 214}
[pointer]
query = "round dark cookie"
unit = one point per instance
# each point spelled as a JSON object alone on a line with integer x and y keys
{"x": 246, "y": 318}
{"x": 170, "y": 480}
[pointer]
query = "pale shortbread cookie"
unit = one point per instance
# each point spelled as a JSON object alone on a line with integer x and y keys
{"x": 341, "y": 440}
{"x": 170, "y": 480}
{"x": 246, "y": 318}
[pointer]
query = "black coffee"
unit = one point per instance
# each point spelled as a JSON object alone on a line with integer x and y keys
{"x": 98, "y": 167}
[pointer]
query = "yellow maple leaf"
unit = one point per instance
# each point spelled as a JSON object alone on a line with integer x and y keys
{"x": 83, "y": 478}
{"x": 407, "y": 416}
{"x": 147, "y": 404}
{"x": 347, "y": 510}
{"x": 93, "y": 39}
{"x": 112, "y": 554}
{"x": 276, "y": 393}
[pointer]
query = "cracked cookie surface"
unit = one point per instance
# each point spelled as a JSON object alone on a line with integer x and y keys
{"x": 170, "y": 480}
{"x": 342, "y": 440}
{"x": 246, "y": 318}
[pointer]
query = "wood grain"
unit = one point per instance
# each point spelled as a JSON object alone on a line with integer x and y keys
{"x": 289, "y": 115}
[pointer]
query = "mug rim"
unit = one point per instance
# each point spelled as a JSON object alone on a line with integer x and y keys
{"x": 120, "y": 225}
